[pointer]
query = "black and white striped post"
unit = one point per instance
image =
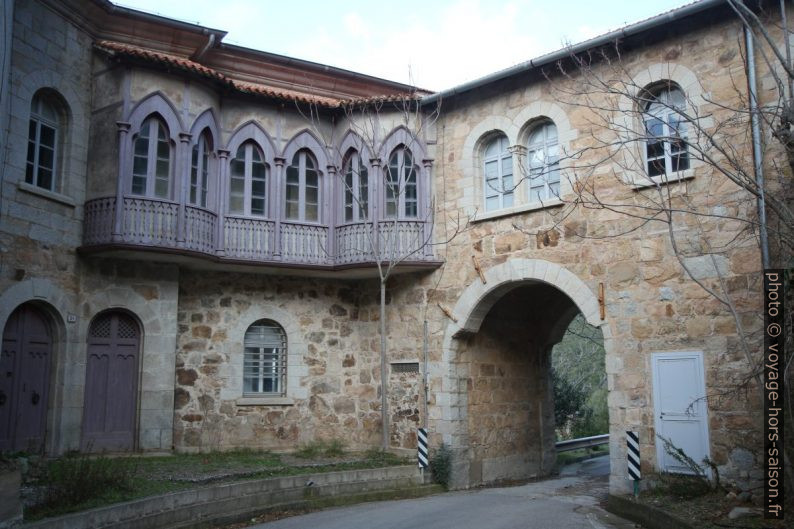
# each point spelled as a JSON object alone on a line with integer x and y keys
{"x": 633, "y": 458}
{"x": 421, "y": 448}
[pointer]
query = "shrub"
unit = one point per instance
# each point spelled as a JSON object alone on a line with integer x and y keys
{"x": 76, "y": 478}
{"x": 441, "y": 465}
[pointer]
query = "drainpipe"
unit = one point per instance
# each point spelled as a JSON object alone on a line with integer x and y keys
{"x": 757, "y": 150}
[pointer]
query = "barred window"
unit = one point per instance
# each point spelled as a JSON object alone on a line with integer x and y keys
{"x": 265, "y": 359}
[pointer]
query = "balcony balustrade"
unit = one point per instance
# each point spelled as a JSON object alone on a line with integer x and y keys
{"x": 155, "y": 224}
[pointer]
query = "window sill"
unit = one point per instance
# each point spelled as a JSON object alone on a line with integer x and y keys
{"x": 49, "y": 195}
{"x": 517, "y": 209}
{"x": 646, "y": 182}
{"x": 265, "y": 401}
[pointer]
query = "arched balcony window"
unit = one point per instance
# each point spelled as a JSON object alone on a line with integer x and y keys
{"x": 401, "y": 193}
{"x": 151, "y": 161}
{"x": 356, "y": 182}
{"x": 248, "y": 181}
{"x": 201, "y": 158}
{"x": 302, "y": 197}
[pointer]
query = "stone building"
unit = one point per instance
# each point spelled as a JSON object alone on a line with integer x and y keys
{"x": 190, "y": 230}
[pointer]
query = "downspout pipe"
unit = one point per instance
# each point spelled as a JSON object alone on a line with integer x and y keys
{"x": 755, "y": 125}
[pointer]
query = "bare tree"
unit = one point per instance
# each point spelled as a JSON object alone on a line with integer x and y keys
{"x": 646, "y": 141}
{"x": 394, "y": 224}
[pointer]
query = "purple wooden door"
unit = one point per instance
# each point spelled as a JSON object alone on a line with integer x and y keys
{"x": 24, "y": 380}
{"x": 111, "y": 380}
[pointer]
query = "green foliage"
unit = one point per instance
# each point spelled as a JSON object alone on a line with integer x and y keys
{"x": 441, "y": 465}
{"x": 568, "y": 399}
{"x": 77, "y": 478}
{"x": 322, "y": 448}
{"x": 684, "y": 485}
{"x": 579, "y": 382}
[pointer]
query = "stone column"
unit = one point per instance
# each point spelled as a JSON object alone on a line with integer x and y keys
{"x": 182, "y": 183}
{"x": 278, "y": 193}
{"x": 221, "y": 203}
{"x": 425, "y": 194}
{"x": 332, "y": 212}
{"x": 125, "y": 168}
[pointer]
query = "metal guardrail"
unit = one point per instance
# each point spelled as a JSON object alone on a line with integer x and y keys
{"x": 583, "y": 442}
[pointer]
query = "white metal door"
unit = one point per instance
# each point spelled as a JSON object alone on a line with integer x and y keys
{"x": 680, "y": 407}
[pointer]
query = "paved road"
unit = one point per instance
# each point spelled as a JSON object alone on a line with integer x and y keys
{"x": 569, "y": 501}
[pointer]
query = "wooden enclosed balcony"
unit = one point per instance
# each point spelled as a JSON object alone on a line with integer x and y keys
{"x": 147, "y": 224}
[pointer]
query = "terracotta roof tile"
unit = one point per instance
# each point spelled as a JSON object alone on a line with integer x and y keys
{"x": 182, "y": 63}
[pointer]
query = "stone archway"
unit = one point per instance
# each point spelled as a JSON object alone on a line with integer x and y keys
{"x": 516, "y": 291}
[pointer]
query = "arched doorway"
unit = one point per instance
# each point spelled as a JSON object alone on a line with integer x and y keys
{"x": 497, "y": 405}
{"x": 24, "y": 379}
{"x": 111, "y": 386}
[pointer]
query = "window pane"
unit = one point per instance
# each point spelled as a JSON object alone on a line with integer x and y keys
{"x": 311, "y": 212}
{"x": 410, "y": 209}
{"x": 47, "y": 136}
{"x": 162, "y": 169}
{"x": 257, "y": 206}
{"x": 680, "y": 162}
{"x": 292, "y": 175}
{"x": 238, "y": 168}
{"x": 44, "y": 178}
{"x": 491, "y": 169}
{"x": 46, "y": 157}
{"x": 163, "y": 150}
{"x": 507, "y": 200}
{"x": 311, "y": 178}
{"x": 348, "y": 212}
{"x": 507, "y": 165}
{"x": 655, "y": 149}
{"x": 492, "y": 203}
{"x": 258, "y": 188}
{"x": 311, "y": 195}
{"x": 492, "y": 187}
{"x": 236, "y": 205}
{"x": 138, "y": 185}
{"x": 258, "y": 171}
{"x": 292, "y": 210}
{"x": 141, "y": 146}
{"x": 139, "y": 166}
{"x": 161, "y": 188}
{"x": 292, "y": 193}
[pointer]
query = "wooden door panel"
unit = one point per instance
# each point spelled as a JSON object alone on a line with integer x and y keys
{"x": 111, "y": 383}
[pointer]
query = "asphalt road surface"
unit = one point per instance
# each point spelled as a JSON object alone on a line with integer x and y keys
{"x": 565, "y": 502}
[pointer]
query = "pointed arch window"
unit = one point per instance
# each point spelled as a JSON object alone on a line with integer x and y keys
{"x": 248, "y": 181}
{"x": 151, "y": 161}
{"x": 44, "y": 129}
{"x": 665, "y": 128}
{"x": 302, "y": 197}
{"x": 402, "y": 197}
{"x": 200, "y": 160}
{"x": 498, "y": 174}
{"x": 544, "y": 163}
{"x": 356, "y": 180}
{"x": 265, "y": 359}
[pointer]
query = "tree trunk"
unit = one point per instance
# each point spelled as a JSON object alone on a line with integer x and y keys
{"x": 383, "y": 375}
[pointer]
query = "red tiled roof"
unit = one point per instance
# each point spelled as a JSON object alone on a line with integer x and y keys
{"x": 182, "y": 63}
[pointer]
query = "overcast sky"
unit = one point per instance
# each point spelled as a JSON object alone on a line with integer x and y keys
{"x": 434, "y": 44}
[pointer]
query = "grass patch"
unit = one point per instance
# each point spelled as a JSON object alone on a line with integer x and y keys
{"x": 566, "y": 458}
{"x": 322, "y": 448}
{"x": 81, "y": 482}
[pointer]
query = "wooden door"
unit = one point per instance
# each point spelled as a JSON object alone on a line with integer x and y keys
{"x": 111, "y": 383}
{"x": 24, "y": 380}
